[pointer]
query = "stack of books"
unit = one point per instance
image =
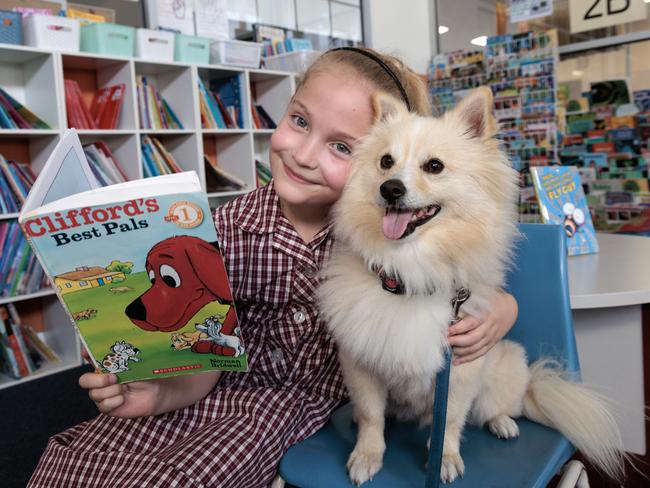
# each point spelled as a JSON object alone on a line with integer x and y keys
{"x": 22, "y": 351}
{"x": 104, "y": 111}
{"x": 611, "y": 153}
{"x": 104, "y": 165}
{"x": 16, "y": 179}
{"x": 220, "y": 104}
{"x": 263, "y": 173}
{"x": 14, "y": 115}
{"x": 155, "y": 112}
{"x": 261, "y": 118}
{"x": 218, "y": 179}
{"x": 157, "y": 160}
{"x": 20, "y": 271}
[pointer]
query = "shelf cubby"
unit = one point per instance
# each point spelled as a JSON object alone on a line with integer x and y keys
{"x": 29, "y": 76}
{"x": 93, "y": 73}
{"x": 175, "y": 85}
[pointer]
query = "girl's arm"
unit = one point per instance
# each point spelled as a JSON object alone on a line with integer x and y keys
{"x": 145, "y": 398}
{"x": 472, "y": 337}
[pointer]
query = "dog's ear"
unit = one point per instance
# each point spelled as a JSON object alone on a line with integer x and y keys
{"x": 208, "y": 266}
{"x": 385, "y": 105}
{"x": 476, "y": 113}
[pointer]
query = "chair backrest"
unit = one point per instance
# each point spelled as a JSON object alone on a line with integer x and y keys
{"x": 539, "y": 282}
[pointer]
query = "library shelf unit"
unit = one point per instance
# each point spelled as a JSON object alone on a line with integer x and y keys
{"x": 35, "y": 77}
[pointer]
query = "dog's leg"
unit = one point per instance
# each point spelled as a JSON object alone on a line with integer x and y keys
{"x": 463, "y": 388}
{"x": 504, "y": 380}
{"x": 368, "y": 398}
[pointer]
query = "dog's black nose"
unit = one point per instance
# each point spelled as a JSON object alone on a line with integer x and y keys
{"x": 136, "y": 310}
{"x": 392, "y": 190}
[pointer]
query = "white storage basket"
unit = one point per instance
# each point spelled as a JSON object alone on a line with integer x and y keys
{"x": 51, "y": 32}
{"x": 236, "y": 53}
{"x": 294, "y": 61}
{"x": 154, "y": 44}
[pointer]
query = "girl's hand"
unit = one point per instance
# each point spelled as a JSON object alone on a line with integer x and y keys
{"x": 145, "y": 398}
{"x": 471, "y": 338}
{"x": 136, "y": 399}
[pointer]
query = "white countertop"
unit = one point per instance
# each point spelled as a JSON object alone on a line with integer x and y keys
{"x": 618, "y": 275}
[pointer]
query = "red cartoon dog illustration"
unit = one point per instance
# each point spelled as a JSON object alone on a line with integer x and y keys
{"x": 186, "y": 273}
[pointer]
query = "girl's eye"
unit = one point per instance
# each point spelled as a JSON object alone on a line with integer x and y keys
{"x": 299, "y": 121}
{"x": 342, "y": 148}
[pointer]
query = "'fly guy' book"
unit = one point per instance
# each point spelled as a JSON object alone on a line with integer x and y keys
{"x": 562, "y": 201}
{"x": 137, "y": 267}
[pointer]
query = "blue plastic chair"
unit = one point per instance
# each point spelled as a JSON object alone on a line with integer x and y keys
{"x": 544, "y": 327}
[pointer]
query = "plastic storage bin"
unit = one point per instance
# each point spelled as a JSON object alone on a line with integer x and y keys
{"x": 236, "y": 53}
{"x": 154, "y": 44}
{"x": 104, "y": 38}
{"x": 192, "y": 49}
{"x": 50, "y": 32}
{"x": 295, "y": 61}
{"x": 11, "y": 27}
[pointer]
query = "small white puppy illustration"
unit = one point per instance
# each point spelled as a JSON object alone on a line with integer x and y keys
{"x": 212, "y": 327}
{"x": 118, "y": 360}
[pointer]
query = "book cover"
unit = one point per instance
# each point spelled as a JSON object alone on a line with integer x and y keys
{"x": 562, "y": 201}
{"x": 138, "y": 269}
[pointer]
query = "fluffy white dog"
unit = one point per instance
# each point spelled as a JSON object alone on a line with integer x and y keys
{"x": 431, "y": 207}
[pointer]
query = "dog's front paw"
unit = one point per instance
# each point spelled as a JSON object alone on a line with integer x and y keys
{"x": 452, "y": 467}
{"x": 503, "y": 427}
{"x": 363, "y": 465}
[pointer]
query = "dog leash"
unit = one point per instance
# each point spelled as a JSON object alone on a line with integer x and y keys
{"x": 436, "y": 444}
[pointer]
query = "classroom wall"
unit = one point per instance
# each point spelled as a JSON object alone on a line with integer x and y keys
{"x": 403, "y": 29}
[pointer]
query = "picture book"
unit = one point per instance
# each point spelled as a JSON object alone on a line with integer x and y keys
{"x": 137, "y": 267}
{"x": 562, "y": 201}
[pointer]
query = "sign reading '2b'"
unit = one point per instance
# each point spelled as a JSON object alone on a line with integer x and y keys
{"x": 595, "y": 14}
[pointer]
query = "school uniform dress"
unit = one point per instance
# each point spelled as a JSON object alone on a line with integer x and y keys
{"x": 238, "y": 433}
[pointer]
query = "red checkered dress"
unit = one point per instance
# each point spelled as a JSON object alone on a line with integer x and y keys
{"x": 238, "y": 433}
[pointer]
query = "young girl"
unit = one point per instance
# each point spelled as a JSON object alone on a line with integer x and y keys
{"x": 231, "y": 429}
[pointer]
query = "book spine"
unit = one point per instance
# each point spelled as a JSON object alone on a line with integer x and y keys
{"x": 15, "y": 115}
{"x": 172, "y": 115}
{"x": 12, "y": 363}
{"x": 27, "y": 115}
{"x": 23, "y": 369}
{"x": 31, "y": 367}
{"x": 5, "y": 121}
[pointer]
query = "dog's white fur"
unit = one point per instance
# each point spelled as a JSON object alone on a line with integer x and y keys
{"x": 392, "y": 346}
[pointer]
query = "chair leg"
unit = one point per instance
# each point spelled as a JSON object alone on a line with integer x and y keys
{"x": 574, "y": 474}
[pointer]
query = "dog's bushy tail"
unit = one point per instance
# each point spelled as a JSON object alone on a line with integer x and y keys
{"x": 579, "y": 413}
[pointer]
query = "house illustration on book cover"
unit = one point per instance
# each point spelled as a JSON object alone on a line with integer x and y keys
{"x": 85, "y": 277}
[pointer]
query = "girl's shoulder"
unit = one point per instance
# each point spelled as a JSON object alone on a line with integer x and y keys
{"x": 246, "y": 210}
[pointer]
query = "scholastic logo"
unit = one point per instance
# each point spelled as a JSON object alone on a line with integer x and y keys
{"x": 177, "y": 368}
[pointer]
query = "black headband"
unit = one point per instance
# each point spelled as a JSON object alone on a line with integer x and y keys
{"x": 385, "y": 67}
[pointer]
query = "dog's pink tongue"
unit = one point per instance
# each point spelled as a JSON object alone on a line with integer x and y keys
{"x": 395, "y": 223}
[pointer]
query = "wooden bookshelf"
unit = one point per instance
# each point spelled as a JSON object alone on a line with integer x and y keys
{"x": 35, "y": 77}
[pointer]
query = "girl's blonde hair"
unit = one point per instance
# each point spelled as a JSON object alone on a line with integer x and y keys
{"x": 372, "y": 71}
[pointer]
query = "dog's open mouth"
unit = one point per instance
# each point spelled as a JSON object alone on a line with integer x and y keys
{"x": 400, "y": 222}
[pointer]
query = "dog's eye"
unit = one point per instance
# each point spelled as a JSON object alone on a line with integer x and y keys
{"x": 434, "y": 166}
{"x": 152, "y": 276}
{"x": 386, "y": 161}
{"x": 170, "y": 276}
